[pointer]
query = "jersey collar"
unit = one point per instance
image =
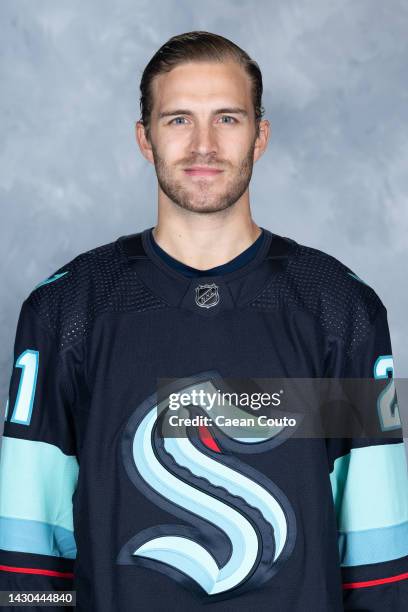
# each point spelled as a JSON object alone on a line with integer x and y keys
{"x": 205, "y": 295}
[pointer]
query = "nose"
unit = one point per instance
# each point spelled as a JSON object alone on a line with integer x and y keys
{"x": 204, "y": 140}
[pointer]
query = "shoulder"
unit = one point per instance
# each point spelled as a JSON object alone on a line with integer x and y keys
{"x": 69, "y": 298}
{"x": 328, "y": 278}
{"x": 344, "y": 304}
{"x": 101, "y": 280}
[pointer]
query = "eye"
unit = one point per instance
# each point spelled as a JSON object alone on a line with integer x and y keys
{"x": 228, "y": 117}
{"x": 175, "y": 119}
{"x": 222, "y": 117}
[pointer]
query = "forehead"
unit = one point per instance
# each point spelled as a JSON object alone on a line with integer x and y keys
{"x": 194, "y": 83}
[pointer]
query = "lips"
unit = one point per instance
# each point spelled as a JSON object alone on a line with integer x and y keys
{"x": 202, "y": 171}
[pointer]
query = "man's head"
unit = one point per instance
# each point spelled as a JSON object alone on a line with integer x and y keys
{"x": 201, "y": 106}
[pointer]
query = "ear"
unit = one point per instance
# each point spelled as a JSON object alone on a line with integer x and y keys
{"x": 143, "y": 142}
{"x": 262, "y": 140}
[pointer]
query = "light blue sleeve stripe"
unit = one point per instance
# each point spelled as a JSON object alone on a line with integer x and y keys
{"x": 373, "y": 546}
{"x": 37, "y": 482}
{"x": 38, "y": 538}
{"x": 370, "y": 492}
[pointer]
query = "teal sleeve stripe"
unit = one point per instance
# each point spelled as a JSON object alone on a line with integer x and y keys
{"x": 37, "y": 481}
{"x": 373, "y": 546}
{"x": 21, "y": 535}
{"x": 370, "y": 488}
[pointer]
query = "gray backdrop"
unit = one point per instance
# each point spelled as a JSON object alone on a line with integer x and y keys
{"x": 334, "y": 176}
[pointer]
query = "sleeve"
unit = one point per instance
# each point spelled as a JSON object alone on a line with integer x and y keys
{"x": 369, "y": 479}
{"x": 38, "y": 465}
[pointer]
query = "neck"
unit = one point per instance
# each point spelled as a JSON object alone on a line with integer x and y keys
{"x": 207, "y": 240}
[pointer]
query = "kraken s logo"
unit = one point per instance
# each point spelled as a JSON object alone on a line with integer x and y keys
{"x": 238, "y": 526}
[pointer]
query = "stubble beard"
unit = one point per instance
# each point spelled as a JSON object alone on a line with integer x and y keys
{"x": 204, "y": 196}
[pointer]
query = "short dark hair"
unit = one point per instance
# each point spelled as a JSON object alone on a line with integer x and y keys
{"x": 197, "y": 46}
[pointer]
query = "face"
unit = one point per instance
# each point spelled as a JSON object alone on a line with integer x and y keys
{"x": 203, "y": 116}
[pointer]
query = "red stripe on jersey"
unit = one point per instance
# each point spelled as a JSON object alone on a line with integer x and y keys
{"x": 32, "y": 570}
{"x": 368, "y": 583}
{"x": 207, "y": 439}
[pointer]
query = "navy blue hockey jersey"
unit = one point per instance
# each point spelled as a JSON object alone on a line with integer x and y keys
{"x": 93, "y": 499}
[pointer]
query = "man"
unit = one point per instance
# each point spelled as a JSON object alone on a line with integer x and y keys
{"x": 94, "y": 497}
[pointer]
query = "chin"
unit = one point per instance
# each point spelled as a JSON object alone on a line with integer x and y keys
{"x": 205, "y": 208}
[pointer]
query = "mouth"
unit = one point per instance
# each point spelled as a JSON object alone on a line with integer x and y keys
{"x": 202, "y": 171}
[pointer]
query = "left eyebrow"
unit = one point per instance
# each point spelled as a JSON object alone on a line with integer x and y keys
{"x": 183, "y": 111}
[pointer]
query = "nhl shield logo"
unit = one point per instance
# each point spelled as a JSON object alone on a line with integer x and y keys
{"x": 207, "y": 296}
